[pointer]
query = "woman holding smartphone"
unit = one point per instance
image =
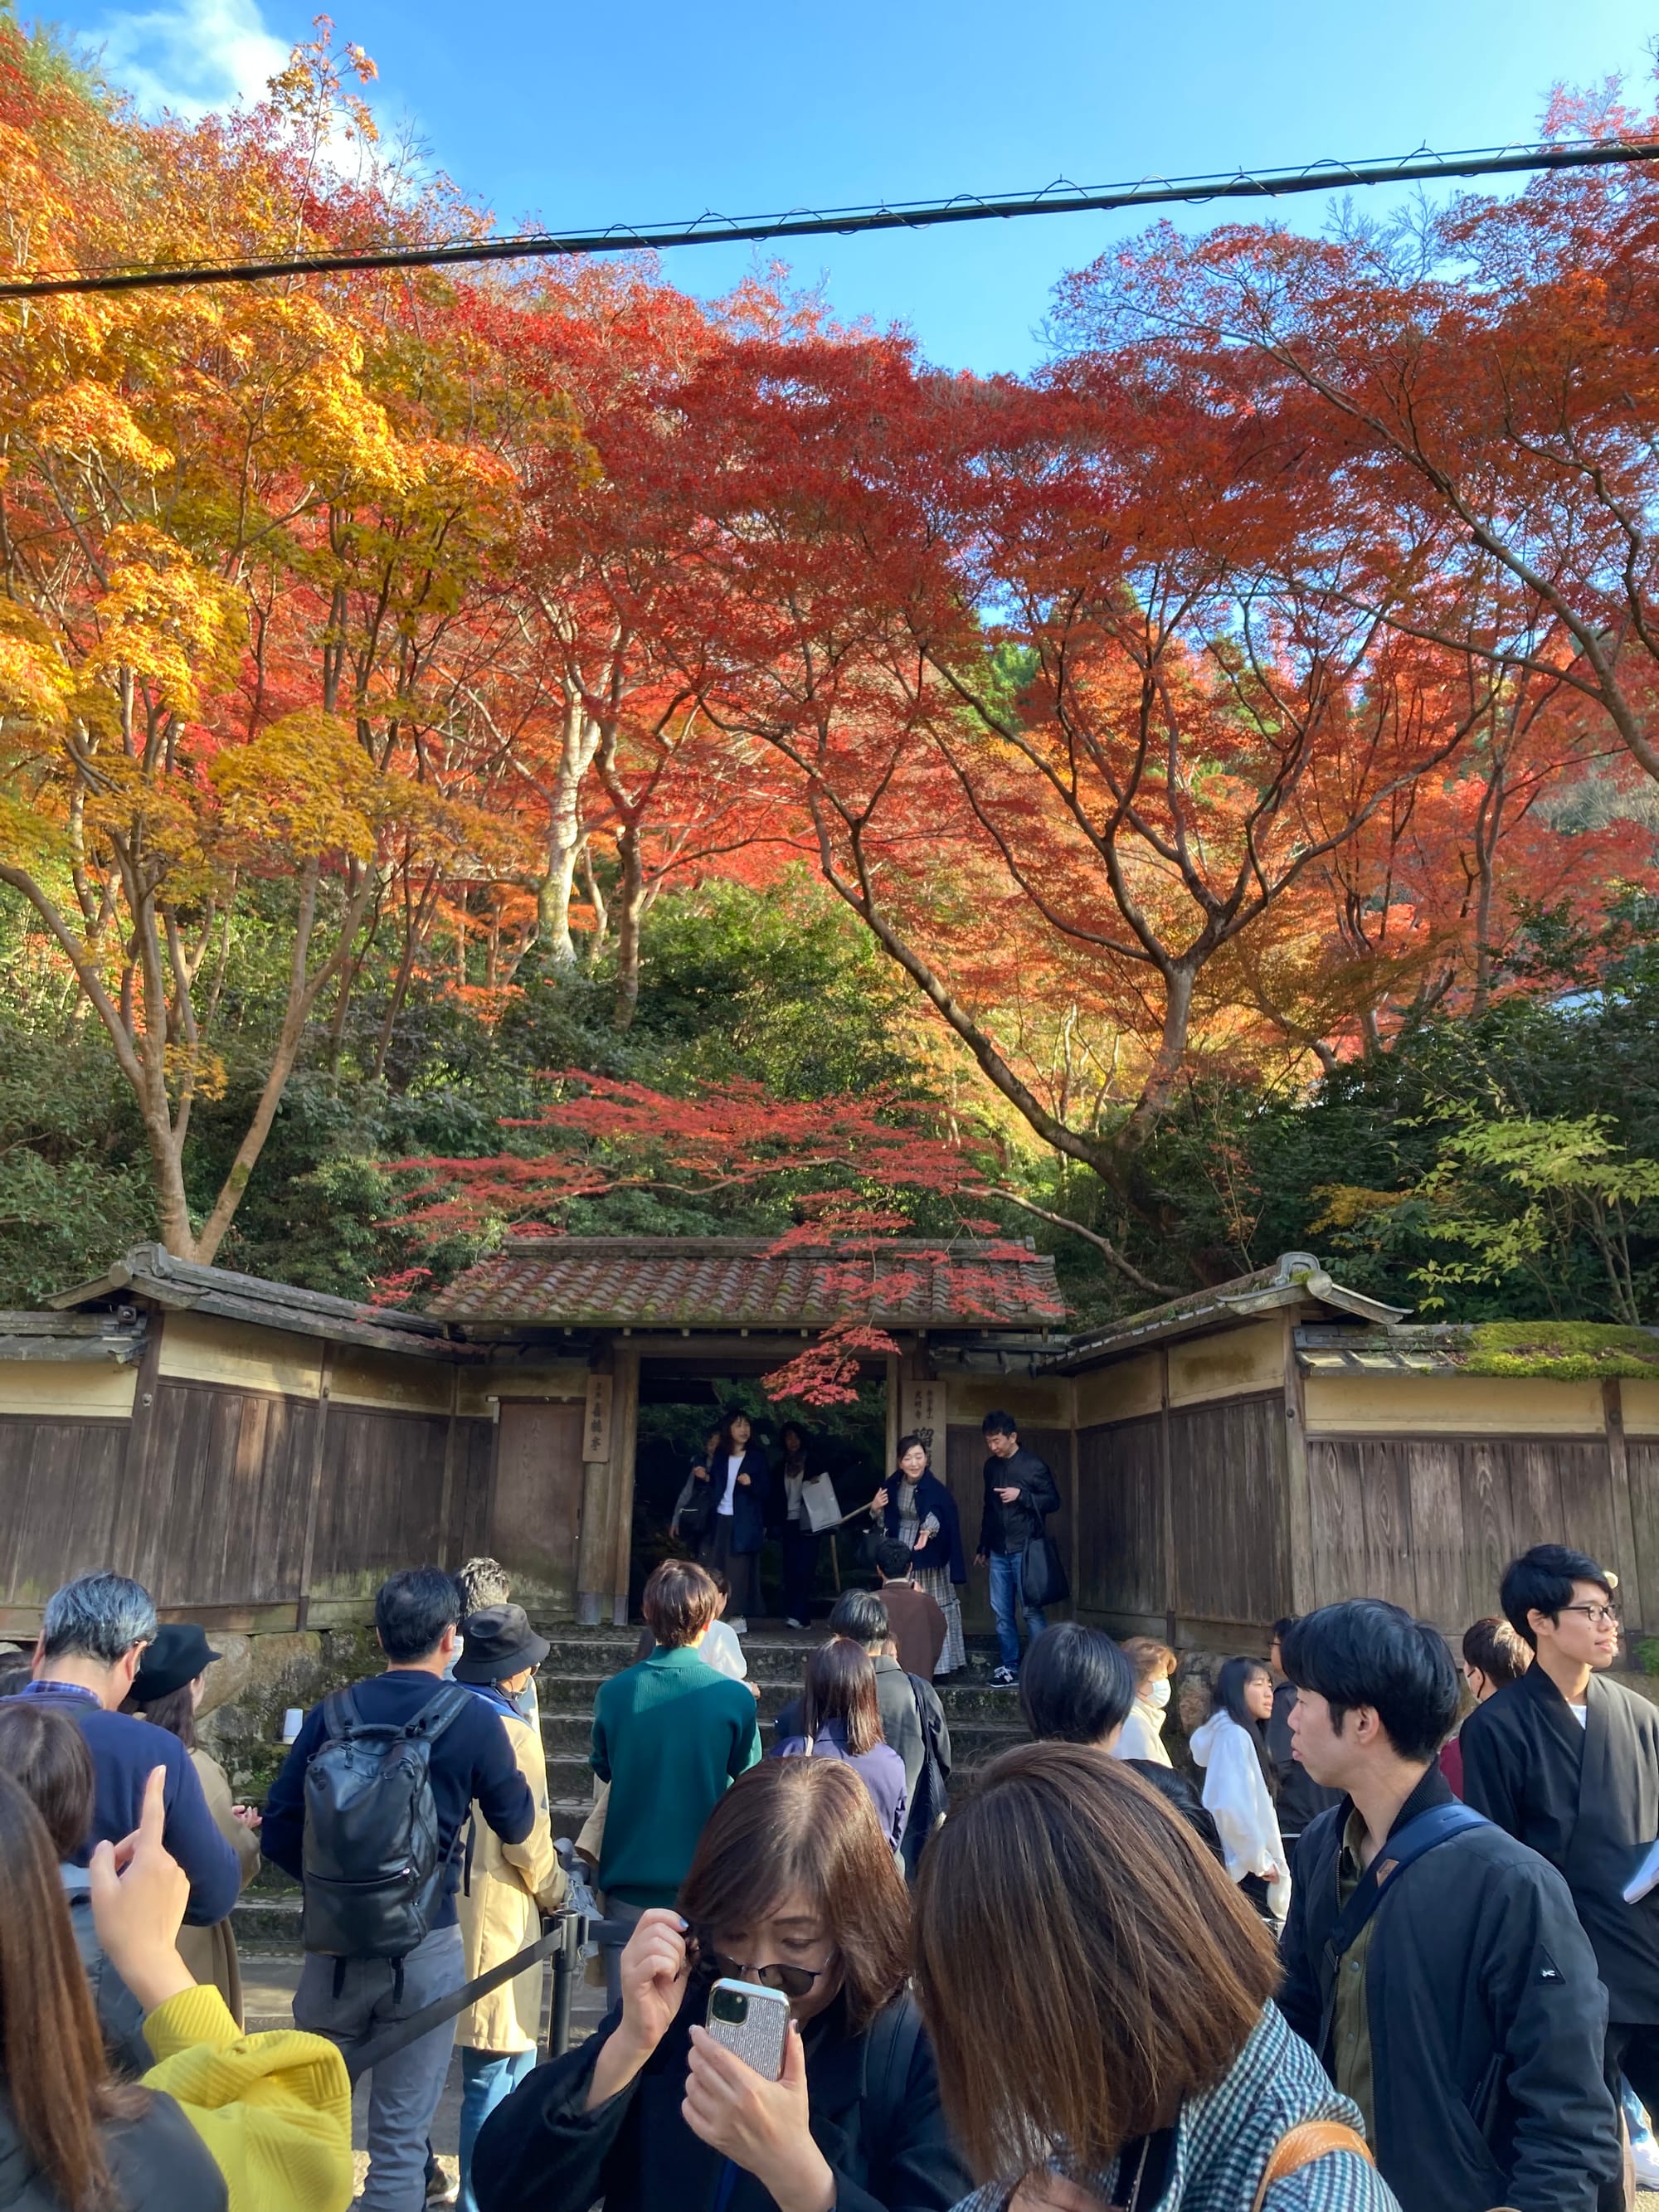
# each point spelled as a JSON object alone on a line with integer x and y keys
{"x": 793, "y": 1888}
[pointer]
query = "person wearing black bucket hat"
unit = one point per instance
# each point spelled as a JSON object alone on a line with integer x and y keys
{"x": 168, "y": 1691}
{"x": 505, "y": 1887}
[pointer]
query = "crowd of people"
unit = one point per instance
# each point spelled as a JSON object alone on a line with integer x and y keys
{"x": 1370, "y": 1961}
{"x": 733, "y": 1497}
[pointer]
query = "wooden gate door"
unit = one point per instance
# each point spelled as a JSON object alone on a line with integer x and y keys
{"x": 535, "y": 1513}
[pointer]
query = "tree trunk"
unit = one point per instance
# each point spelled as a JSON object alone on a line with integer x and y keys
{"x": 565, "y": 835}
{"x": 631, "y": 911}
{"x": 1178, "y": 980}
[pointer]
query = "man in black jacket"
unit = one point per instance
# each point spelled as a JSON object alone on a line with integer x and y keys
{"x": 1019, "y": 1495}
{"x": 1569, "y": 1762}
{"x": 1464, "y": 2016}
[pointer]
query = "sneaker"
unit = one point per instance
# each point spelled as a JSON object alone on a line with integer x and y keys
{"x": 1003, "y": 1678}
{"x": 439, "y": 2188}
{"x": 793, "y": 1623}
{"x": 740, "y": 1626}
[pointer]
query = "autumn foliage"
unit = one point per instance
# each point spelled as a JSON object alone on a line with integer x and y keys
{"x": 1224, "y": 697}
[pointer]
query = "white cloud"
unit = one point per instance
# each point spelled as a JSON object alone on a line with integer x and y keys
{"x": 193, "y": 57}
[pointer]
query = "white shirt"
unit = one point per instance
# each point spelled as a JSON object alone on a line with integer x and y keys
{"x": 731, "y": 1466}
{"x": 1580, "y": 1713}
{"x": 721, "y": 1651}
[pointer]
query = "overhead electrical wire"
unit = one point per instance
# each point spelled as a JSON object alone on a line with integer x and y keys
{"x": 709, "y": 229}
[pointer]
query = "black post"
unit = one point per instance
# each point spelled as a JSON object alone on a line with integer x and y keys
{"x": 572, "y": 1935}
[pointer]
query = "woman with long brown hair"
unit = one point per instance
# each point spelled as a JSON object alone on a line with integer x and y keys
{"x": 267, "y": 2115}
{"x": 1092, "y": 1981}
{"x": 841, "y": 1719}
{"x": 70, "y": 2140}
{"x": 794, "y": 1887}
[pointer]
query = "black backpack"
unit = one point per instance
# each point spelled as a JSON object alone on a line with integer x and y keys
{"x": 374, "y": 1868}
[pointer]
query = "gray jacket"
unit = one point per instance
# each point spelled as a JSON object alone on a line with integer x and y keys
{"x": 120, "y": 2015}
{"x": 157, "y": 2161}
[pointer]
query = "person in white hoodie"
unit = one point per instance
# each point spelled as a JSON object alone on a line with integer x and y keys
{"x": 1231, "y": 1747}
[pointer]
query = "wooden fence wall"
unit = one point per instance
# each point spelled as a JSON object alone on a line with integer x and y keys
{"x": 1419, "y": 1490}
{"x": 254, "y": 1497}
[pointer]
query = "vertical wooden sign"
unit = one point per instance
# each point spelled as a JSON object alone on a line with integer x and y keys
{"x": 596, "y": 1418}
{"x": 924, "y": 1412}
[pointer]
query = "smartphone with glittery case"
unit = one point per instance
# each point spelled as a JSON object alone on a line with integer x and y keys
{"x": 751, "y": 2022}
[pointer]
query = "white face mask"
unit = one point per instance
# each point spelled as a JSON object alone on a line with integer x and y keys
{"x": 1157, "y": 1693}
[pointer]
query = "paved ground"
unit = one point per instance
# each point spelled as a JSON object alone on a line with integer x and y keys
{"x": 268, "y": 1987}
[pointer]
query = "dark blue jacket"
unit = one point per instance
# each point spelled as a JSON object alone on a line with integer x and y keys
{"x": 472, "y": 1758}
{"x": 932, "y": 1497}
{"x": 124, "y": 1750}
{"x": 748, "y": 1507}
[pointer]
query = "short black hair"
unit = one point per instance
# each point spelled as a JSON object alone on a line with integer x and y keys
{"x": 1366, "y": 1652}
{"x": 1493, "y": 1647}
{"x": 1283, "y": 1626}
{"x": 1076, "y": 1685}
{"x": 861, "y": 1618}
{"x": 892, "y": 1560}
{"x": 1541, "y": 1580}
{"x": 999, "y": 1424}
{"x": 412, "y": 1610}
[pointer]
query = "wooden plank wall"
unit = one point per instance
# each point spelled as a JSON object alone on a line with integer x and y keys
{"x": 59, "y": 1486}
{"x": 1201, "y": 1542}
{"x": 1430, "y": 1523}
{"x": 215, "y": 1496}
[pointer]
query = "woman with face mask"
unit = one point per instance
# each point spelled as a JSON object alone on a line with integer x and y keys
{"x": 1143, "y": 1732}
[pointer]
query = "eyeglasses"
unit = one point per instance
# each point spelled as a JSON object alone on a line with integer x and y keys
{"x": 792, "y": 1981}
{"x": 1595, "y": 1614}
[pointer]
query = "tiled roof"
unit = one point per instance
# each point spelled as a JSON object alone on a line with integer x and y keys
{"x": 1296, "y": 1278}
{"x": 658, "y": 1282}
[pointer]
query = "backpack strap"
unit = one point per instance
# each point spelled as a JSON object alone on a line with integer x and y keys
{"x": 1402, "y": 1848}
{"x": 450, "y": 1702}
{"x": 340, "y": 1715}
{"x": 1300, "y": 2146}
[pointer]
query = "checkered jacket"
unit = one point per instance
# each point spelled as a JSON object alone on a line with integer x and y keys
{"x": 1225, "y": 2137}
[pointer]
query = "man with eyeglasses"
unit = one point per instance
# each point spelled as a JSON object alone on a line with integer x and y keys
{"x": 1569, "y": 1762}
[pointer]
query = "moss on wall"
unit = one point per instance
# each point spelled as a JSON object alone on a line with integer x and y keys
{"x": 1558, "y": 1351}
{"x": 255, "y": 1683}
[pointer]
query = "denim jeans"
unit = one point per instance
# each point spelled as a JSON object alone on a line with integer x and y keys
{"x": 487, "y": 2079}
{"x": 1005, "y": 1567}
{"x": 403, "y": 2092}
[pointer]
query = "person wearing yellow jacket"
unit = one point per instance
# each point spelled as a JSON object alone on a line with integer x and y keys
{"x": 273, "y": 2111}
{"x": 505, "y": 1887}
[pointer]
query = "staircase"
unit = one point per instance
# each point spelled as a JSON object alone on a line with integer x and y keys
{"x": 982, "y": 1722}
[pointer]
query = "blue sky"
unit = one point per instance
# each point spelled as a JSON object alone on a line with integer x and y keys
{"x": 649, "y": 111}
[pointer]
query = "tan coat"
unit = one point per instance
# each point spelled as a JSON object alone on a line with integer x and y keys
{"x": 210, "y": 1953}
{"x": 503, "y": 1898}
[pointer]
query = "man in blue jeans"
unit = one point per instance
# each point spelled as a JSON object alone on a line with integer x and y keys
{"x": 1020, "y": 1493}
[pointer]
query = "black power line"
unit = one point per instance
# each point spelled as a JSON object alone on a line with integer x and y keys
{"x": 1060, "y": 198}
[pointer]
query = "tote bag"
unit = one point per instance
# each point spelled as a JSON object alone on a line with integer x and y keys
{"x": 819, "y": 1503}
{"x": 1041, "y": 1577}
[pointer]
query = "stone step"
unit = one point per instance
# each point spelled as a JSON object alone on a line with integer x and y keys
{"x": 266, "y": 1922}
{"x": 770, "y": 1658}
